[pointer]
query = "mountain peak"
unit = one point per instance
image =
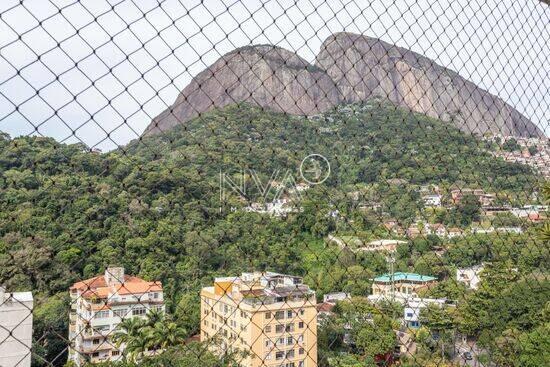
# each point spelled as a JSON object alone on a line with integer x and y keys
{"x": 349, "y": 68}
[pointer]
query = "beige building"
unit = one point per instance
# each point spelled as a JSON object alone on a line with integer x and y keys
{"x": 99, "y": 304}
{"x": 15, "y": 328}
{"x": 407, "y": 284}
{"x": 271, "y": 317}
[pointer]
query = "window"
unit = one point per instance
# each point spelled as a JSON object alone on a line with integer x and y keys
{"x": 279, "y": 328}
{"x": 301, "y": 351}
{"x": 120, "y": 313}
{"x": 100, "y": 328}
{"x": 281, "y": 341}
{"x": 138, "y": 311}
{"x": 267, "y": 329}
{"x": 302, "y": 312}
{"x": 289, "y": 314}
{"x": 96, "y": 341}
{"x": 155, "y": 295}
{"x": 267, "y": 343}
{"x": 267, "y": 315}
{"x": 301, "y": 364}
{"x": 95, "y": 354}
{"x": 279, "y": 355}
{"x": 101, "y": 314}
{"x": 289, "y": 340}
{"x": 290, "y": 353}
{"x": 289, "y": 328}
{"x": 279, "y": 315}
{"x": 301, "y": 324}
{"x": 115, "y": 353}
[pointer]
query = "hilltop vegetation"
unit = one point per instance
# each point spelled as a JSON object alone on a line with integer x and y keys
{"x": 154, "y": 207}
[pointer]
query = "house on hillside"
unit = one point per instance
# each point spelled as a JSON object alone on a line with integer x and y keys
{"x": 454, "y": 232}
{"x": 485, "y": 199}
{"x": 405, "y": 283}
{"x": 432, "y": 200}
{"x": 381, "y": 245}
{"x": 469, "y": 276}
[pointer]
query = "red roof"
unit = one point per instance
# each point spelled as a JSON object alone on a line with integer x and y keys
{"x": 325, "y": 307}
{"x": 98, "y": 287}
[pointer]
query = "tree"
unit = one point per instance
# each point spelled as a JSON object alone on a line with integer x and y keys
{"x": 166, "y": 334}
{"x": 376, "y": 338}
{"x": 467, "y": 210}
{"x": 131, "y": 335}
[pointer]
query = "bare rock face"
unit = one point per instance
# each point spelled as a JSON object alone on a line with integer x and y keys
{"x": 349, "y": 68}
{"x": 266, "y": 76}
{"x": 364, "y": 67}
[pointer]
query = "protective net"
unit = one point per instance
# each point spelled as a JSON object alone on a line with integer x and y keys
{"x": 274, "y": 183}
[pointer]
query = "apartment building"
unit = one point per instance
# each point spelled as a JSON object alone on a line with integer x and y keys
{"x": 15, "y": 328}
{"x": 407, "y": 284}
{"x": 270, "y": 316}
{"x": 99, "y": 304}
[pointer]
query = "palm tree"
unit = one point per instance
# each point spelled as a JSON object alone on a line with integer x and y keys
{"x": 130, "y": 333}
{"x": 166, "y": 334}
{"x": 138, "y": 345}
{"x": 155, "y": 316}
{"x": 127, "y": 330}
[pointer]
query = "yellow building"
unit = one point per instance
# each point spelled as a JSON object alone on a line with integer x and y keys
{"x": 270, "y": 317}
{"x": 407, "y": 284}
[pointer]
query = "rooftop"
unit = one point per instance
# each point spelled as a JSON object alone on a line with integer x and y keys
{"x": 385, "y": 242}
{"x": 14, "y": 296}
{"x": 115, "y": 281}
{"x": 261, "y": 285}
{"x": 399, "y": 276}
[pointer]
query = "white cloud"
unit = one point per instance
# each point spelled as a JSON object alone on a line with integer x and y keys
{"x": 147, "y": 50}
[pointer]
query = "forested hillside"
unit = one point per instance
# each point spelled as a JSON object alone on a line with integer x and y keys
{"x": 154, "y": 207}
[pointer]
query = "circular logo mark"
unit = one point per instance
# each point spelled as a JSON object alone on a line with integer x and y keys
{"x": 315, "y": 169}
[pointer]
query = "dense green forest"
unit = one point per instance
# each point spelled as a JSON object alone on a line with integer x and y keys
{"x": 154, "y": 207}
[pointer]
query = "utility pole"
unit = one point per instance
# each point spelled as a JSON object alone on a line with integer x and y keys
{"x": 391, "y": 260}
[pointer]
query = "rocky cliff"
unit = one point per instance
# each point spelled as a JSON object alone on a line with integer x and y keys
{"x": 349, "y": 68}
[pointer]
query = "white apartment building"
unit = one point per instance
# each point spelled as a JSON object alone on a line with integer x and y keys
{"x": 15, "y": 328}
{"x": 99, "y": 304}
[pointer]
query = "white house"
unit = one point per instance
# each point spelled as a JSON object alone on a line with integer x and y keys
{"x": 412, "y": 306}
{"x": 516, "y": 230}
{"x": 15, "y": 328}
{"x": 336, "y": 296}
{"x": 432, "y": 200}
{"x": 469, "y": 276}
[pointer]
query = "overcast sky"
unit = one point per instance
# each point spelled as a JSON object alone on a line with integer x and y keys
{"x": 98, "y": 50}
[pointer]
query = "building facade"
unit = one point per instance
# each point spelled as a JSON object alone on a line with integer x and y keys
{"x": 15, "y": 328}
{"x": 407, "y": 284}
{"x": 272, "y": 317}
{"x": 99, "y": 304}
{"x": 470, "y": 276}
